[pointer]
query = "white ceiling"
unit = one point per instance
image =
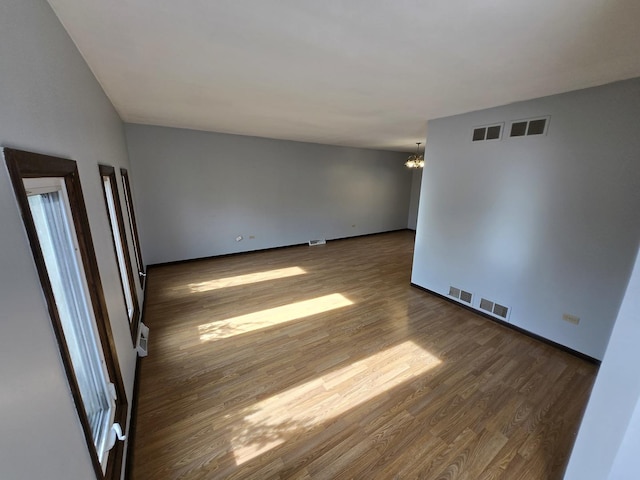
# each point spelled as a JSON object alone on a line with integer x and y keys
{"x": 364, "y": 73}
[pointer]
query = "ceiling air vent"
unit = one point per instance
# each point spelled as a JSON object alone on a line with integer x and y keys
{"x": 487, "y": 132}
{"x": 536, "y": 126}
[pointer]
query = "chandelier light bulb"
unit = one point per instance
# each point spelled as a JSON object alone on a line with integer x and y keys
{"x": 416, "y": 160}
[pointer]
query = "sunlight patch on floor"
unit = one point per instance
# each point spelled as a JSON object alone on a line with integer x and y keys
{"x": 245, "y": 279}
{"x": 291, "y": 413}
{"x": 272, "y": 316}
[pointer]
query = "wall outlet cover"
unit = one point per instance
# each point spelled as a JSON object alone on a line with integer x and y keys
{"x": 570, "y": 318}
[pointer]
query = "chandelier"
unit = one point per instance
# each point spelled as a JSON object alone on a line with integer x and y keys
{"x": 416, "y": 160}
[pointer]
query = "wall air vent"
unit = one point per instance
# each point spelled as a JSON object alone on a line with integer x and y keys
{"x": 486, "y": 305}
{"x": 320, "y": 241}
{"x": 461, "y": 295}
{"x": 487, "y": 132}
{"x": 143, "y": 341}
{"x": 500, "y": 310}
{"x": 525, "y": 128}
{"x": 494, "y": 308}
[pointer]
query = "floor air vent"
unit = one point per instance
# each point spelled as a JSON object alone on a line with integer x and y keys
{"x": 320, "y": 241}
{"x": 461, "y": 295}
{"x": 494, "y": 308}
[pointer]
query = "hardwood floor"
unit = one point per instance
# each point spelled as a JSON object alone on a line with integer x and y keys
{"x": 323, "y": 362}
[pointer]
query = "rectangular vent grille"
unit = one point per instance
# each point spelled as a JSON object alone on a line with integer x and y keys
{"x": 522, "y": 128}
{"x": 518, "y": 129}
{"x": 486, "y": 305}
{"x": 494, "y": 308}
{"x": 493, "y": 133}
{"x": 489, "y": 132}
{"x": 537, "y": 127}
{"x": 479, "y": 134}
{"x": 465, "y": 296}
{"x": 143, "y": 341}
{"x": 500, "y": 310}
{"x": 320, "y": 241}
{"x": 460, "y": 294}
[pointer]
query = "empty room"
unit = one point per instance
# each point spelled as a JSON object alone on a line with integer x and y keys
{"x": 320, "y": 240}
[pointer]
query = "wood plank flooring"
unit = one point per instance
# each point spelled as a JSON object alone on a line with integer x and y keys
{"x": 324, "y": 363}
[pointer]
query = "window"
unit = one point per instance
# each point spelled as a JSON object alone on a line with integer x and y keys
{"x": 49, "y": 194}
{"x": 114, "y": 212}
{"x": 132, "y": 223}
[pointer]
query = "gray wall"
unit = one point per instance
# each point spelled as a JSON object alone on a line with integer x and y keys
{"x": 416, "y": 182}
{"x": 198, "y": 191}
{"x": 50, "y": 103}
{"x": 608, "y": 442}
{"x": 545, "y": 224}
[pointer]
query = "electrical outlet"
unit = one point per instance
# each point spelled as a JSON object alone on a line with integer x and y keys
{"x": 571, "y": 318}
{"x": 238, "y": 238}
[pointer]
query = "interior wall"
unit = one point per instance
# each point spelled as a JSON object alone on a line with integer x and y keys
{"x": 626, "y": 465}
{"x": 609, "y": 437}
{"x": 51, "y": 103}
{"x": 545, "y": 225}
{"x": 198, "y": 191}
{"x": 416, "y": 182}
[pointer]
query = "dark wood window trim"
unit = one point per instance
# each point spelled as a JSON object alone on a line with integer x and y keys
{"x": 110, "y": 172}
{"x": 132, "y": 223}
{"x": 22, "y": 165}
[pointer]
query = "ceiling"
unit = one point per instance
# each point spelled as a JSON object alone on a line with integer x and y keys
{"x": 363, "y": 73}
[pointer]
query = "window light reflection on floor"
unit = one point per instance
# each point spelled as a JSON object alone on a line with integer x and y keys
{"x": 273, "y": 316}
{"x": 245, "y": 279}
{"x": 273, "y": 421}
